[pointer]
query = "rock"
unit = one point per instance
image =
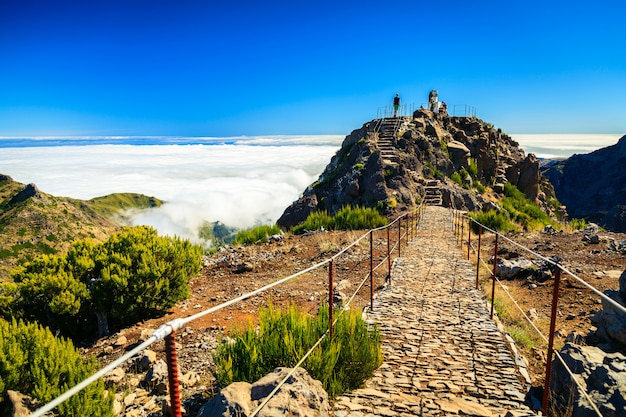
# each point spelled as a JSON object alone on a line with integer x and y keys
{"x": 512, "y": 269}
{"x": 300, "y": 396}
{"x": 121, "y": 341}
{"x": 30, "y": 191}
{"x": 459, "y": 154}
{"x": 532, "y": 314}
{"x": 156, "y": 377}
{"x": 146, "y": 360}
{"x": 601, "y": 375}
{"x": 622, "y": 285}
{"x": 244, "y": 267}
{"x": 610, "y": 321}
{"x": 17, "y": 405}
{"x": 189, "y": 379}
{"x": 114, "y": 377}
{"x": 589, "y": 238}
{"x": 298, "y": 212}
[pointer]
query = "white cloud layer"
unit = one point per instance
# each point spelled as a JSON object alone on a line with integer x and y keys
{"x": 248, "y": 182}
{"x": 564, "y": 145}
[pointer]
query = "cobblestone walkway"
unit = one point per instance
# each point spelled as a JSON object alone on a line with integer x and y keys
{"x": 442, "y": 354}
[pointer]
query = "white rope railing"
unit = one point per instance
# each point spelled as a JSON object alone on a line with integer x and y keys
{"x": 574, "y": 378}
{"x": 172, "y": 326}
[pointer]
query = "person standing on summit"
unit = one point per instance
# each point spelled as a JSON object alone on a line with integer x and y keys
{"x": 396, "y": 104}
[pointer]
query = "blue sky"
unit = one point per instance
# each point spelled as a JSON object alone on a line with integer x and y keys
{"x": 208, "y": 68}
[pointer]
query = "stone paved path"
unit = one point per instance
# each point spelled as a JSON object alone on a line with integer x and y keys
{"x": 443, "y": 355}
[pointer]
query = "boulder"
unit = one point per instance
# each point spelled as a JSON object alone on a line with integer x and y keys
{"x": 517, "y": 268}
{"x": 459, "y": 154}
{"x": 300, "y": 396}
{"x": 601, "y": 374}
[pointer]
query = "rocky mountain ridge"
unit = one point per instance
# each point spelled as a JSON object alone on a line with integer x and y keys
{"x": 593, "y": 185}
{"x": 389, "y": 164}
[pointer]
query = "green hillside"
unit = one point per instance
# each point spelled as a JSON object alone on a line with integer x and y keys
{"x": 33, "y": 222}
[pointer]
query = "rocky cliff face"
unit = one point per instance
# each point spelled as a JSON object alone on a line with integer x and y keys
{"x": 593, "y": 186}
{"x": 388, "y": 164}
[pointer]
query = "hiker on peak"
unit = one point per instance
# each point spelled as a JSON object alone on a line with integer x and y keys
{"x": 396, "y": 104}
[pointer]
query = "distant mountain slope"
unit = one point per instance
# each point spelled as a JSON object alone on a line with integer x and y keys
{"x": 391, "y": 163}
{"x": 34, "y": 223}
{"x": 593, "y": 185}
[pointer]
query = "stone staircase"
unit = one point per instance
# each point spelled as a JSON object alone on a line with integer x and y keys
{"x": 432, "y": 196}
{"x": 387, "y": 139}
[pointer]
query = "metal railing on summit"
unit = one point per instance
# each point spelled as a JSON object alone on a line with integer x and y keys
{"x": 370, "y": 256}
{"x": 459, "y": 221}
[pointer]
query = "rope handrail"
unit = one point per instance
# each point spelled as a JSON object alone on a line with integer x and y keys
{"x": 172, "y": 326}
{"x": 553, "y": 263}
{"x": 574, "y": 378}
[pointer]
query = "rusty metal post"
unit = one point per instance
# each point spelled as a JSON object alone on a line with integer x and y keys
{"x": 480, "y": 233}
{"x": 462, "y": 231}
{"x": 330, "y": 298}
{"x": 399, "y": 236}
{"x": 371, "y": 270}
{"x": 172, "y": 374}
{"x": 493, "y": 284}
{"x": 389, "y": 255}
{"x": 469, "y": 236}
{"x": 555, "y": 301}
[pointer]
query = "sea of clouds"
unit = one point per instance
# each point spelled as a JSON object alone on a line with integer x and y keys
{"x": 239, "y": 181}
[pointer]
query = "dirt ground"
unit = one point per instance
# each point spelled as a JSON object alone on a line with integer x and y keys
{"x": 233, "y": 272}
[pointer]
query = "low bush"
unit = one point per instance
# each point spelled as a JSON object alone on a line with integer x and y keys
{"x": 495, "y": 220}
{"x": 35, "y": 363}
{"x": 341, "y": 363}
{"x": 348, "y": 218}
{"x": 256, "y": 234}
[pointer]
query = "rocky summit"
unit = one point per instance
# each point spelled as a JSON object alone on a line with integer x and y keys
{"x": 592, "y": 185}
{"x": 392, "y": 163}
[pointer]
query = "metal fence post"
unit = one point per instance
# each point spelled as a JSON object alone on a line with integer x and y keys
{"x": 399, "y": 235}
{"x": 172, "y": 374}
{"x": 469, "y": 237}
{"x": 480, "y": 232}
{"x": 555, "y": 301}
{"x": 371, "y": 270}
{"x": 388, "y": 255}
{"x": 493, "y": 284}
{"x": 330, "y": 298}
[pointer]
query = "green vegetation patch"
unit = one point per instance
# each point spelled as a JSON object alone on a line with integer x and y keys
{"x": 36, "y": 363}
{"x": 342, "y": 363}
{"x": 256, "y": 234}
{"x": 134, "y": 275}
{"x": 348, "y": 218}
{"x": 115, "y": 203}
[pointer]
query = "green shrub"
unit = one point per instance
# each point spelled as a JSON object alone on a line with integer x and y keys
{"x": 479, "y": 187}
{"x": 522, "y": 210}
{"x": 456, "y": 177}
{"x": 495, "y": 220}
{"x": 134, "y": 275}
{"x": 283, "y": 337}
{"x": 348, "y": 218}
{"x": 35, "y": 363}
{"x": 473, "y": 167}
{"x": 578, "y": 224}
{"x": 256, "y": 234}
